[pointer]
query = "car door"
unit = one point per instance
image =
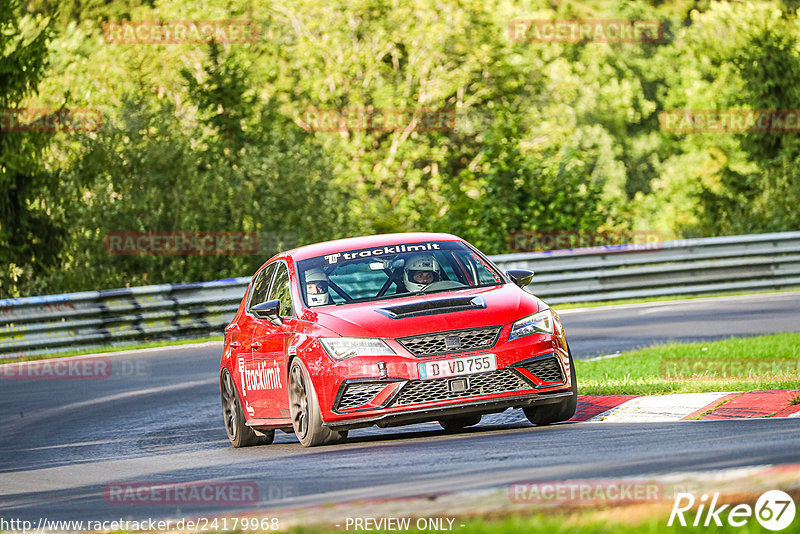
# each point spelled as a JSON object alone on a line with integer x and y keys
{"x": 248, "y": 326}
{"x": 269, "y": 350}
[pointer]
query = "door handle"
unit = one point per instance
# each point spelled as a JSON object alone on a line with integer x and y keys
{"x": 235, "y": 344}
{"x": 256, "y": 345}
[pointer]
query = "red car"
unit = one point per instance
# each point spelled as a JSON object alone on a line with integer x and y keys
{"x": 389, "y": 330}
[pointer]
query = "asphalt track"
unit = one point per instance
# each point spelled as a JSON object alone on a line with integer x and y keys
{"x": 157, "y": 419}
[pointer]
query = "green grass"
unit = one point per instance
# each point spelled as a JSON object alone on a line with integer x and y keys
{"x": 572, "y": 305}
{"x": 737, "y": 364}
{"x": 114, "y": 348}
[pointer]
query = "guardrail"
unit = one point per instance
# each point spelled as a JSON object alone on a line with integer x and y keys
{"x": 77, "y": 321}
{"x": 683, "y": 267}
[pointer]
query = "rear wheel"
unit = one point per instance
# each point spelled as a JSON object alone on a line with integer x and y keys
{"x": 239, "y": 433}
{"x": 304, "y": 408}
{"x": 459, "y": 422}
{"x": 553, "y": 413}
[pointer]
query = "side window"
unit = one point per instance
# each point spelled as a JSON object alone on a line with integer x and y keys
{"x": 261, "y": 286}
{"x": 485, "y": 273}
{"x": 280, "y": 291}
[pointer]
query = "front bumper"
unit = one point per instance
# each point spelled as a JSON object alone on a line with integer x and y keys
{"x": 394, "y": 401}
{"x": 422, "y": 415}
{"x": 543, "y": 372}
{"x": 386, "y": 391}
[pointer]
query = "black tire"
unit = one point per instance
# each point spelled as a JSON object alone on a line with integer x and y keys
{"x": 304, "y": 408}
{"x": 239, "y": 433}
{"x": 462, "y": 421}
{"x": 554, "y": 413}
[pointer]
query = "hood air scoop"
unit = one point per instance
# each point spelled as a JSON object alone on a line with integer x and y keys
{"x": 433, "y": 307}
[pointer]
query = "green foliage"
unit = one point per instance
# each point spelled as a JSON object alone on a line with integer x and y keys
{"x": 28, "y": 237}
{"x": 738, "y": 56}
{"x": 234, "y": 166}
{"x": 551, "y": 136}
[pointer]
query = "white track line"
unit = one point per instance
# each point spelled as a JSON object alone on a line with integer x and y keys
{"x": 603, "y": 357}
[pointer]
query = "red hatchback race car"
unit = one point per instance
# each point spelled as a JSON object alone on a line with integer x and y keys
{"x": 389, "y": 330}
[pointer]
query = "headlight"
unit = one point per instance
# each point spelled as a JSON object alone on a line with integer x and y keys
{"x": 538, "y": 323}
{"x": 341, "y": 348}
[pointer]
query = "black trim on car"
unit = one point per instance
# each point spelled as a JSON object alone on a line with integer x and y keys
{"x": 535, "y": 359}
{"x": 343, "y": 388}
{"x": 422, "y": 415}
{"x": 402, "y": 341}
{"x": 433, "y": 307}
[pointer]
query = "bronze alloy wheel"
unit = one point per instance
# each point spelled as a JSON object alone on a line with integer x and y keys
{"x": 299, "y": 400}
{"x": 304, "y": 408}
{"x": 239, "y": 433}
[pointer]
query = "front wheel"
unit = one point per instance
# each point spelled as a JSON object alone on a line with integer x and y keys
{"x": 304, "y": 408}
{"x": 562, "y": 411}
{"x": 239, "y": 433}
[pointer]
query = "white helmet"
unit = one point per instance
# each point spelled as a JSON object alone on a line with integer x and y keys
{"x": 420, "y": 272}
{"x": 317, "y": 288}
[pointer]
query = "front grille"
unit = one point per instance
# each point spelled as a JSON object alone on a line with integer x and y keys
{"x": 500, "y": 381}
{"x": 356, "y": 395}
{"x": 445, "y": 342}
{"x": 546, "y": 370}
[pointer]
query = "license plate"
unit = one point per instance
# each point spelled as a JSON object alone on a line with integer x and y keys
{"x": 457, "y": 366}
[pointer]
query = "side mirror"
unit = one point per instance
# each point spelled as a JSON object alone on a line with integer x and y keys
{"x": 270, "y": 310}
{"x": 521, "y": 277}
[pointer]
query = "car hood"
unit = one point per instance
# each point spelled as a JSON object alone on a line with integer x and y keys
{"x": 435, "y": 312}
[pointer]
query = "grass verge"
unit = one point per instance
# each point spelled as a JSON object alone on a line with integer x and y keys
{"x": 737, "y": 364}
{"x": 114, "y": 348}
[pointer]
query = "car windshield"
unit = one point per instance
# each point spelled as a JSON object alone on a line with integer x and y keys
{"x": 391, "y": 271}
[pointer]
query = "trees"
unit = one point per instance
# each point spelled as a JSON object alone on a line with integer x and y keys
{"x": 736, "y": 57}
{"x": 547, "y": 136}
{"x": 29, "y": 238}
{"x": 222, "y": 162}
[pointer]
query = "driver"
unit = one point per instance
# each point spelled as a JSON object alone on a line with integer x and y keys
{"x": 317, "y": 288}
{"x": 420, "y": 272}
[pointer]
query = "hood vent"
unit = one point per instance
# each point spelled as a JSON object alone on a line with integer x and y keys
{"x": 433, "y": 307}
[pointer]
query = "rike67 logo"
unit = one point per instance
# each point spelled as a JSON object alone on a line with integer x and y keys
{"x": 774, "y": 510}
